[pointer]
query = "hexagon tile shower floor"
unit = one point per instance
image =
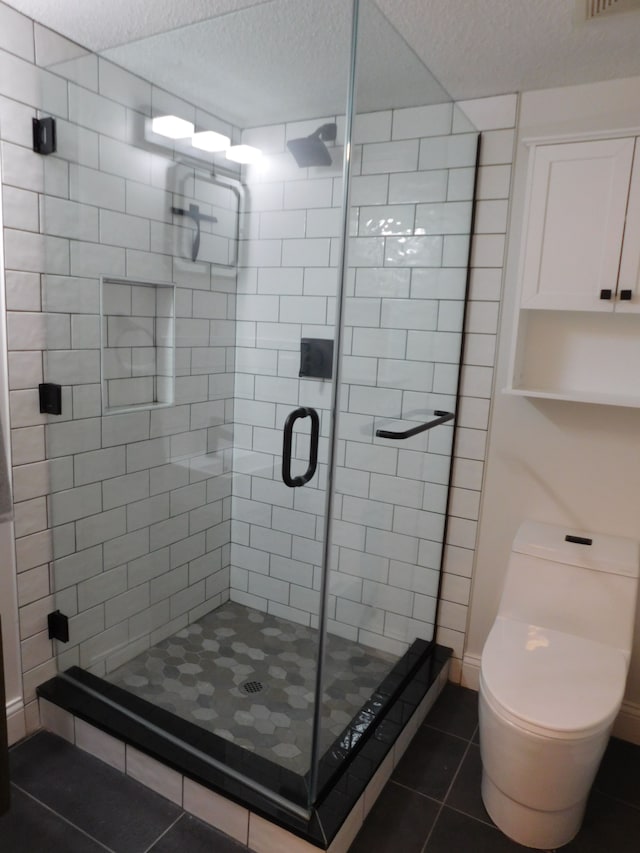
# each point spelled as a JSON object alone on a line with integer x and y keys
{"x": 249, "y": 677}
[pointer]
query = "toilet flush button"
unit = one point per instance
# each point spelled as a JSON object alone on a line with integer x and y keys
{"x": 578, "y": 540}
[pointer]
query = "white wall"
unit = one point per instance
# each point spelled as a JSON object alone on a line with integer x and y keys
{"x": 553, "y": 461}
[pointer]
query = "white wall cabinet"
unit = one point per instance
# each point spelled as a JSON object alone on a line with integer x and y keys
{"x": 575, "y": 233}
{"x": 578, "y": 320}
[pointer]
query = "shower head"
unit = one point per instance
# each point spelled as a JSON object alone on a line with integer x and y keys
{"x": 311, "y": 150}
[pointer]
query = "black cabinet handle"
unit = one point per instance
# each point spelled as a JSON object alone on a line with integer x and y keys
{"x": 290, "y": 481}
{"x": 626, "y": 295}
{"x": 441, "y": 418}
{"x": 605, "y": 294}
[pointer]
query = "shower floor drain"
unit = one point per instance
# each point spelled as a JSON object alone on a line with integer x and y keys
{"x": 251, "y": 687}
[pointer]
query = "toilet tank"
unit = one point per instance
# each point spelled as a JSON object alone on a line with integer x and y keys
{"x": 585, "y": 585}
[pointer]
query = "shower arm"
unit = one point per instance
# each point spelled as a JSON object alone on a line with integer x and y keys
{"x": 441, "y": 418}
{"x": 194, "y": 213}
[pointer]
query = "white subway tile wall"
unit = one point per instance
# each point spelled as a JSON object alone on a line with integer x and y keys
{"x": 135, "y": 523}
{"x": 122, "y": 521}
{"x": 411, "y": 195}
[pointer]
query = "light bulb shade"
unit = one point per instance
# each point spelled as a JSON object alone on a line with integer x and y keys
{"x": 172, "y": 127}
{"x": 244, "y": 154}
{"x": 209, "y": 140}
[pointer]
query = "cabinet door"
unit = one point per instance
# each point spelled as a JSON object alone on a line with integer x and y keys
{"x": 628, "y": 296}
{"x": 577, "y": 204}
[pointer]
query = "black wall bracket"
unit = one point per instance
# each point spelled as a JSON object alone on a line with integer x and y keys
{"x": 44, "y": 135}
{"x": 58, "y": 625}
{"x": 316, "y": 358}
{"x": 50, "y": 396}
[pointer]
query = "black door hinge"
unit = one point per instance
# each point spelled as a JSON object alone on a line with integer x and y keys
{"x": 44, "y": 135}
{"x": 58, "y": 625}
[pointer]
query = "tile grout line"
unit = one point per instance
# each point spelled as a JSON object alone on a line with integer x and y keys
{"x": 426, "y": 725}
{"x": 413, "y": 790}
{"x": 430, "y": 833}
{"x": 62, "y": 818}
{"x": 457, "y": 773}
{"x": 473, "y": 817}
{"x": 448, "y": 791}
{"x": 165, "y": 832}
{"x": 634, "y": 806}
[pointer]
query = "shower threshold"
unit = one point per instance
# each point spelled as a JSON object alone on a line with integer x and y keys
{"x": 270, "y": 790}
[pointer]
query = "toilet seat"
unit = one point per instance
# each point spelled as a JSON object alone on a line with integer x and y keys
{"x": 551, "y": 683}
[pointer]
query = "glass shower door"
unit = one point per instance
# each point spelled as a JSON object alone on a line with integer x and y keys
{"x": 191, "y": 300}
{"x": 285, "y": 314}
{"x": 411, "y": 200}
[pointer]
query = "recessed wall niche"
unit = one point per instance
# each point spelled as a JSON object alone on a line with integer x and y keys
{"x": 137, "y": 346}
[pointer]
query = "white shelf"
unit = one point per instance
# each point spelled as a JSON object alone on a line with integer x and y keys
{"x": 581, "y": 356}
{"x": 137, "y": 345}
{"x": 576, "y": 397}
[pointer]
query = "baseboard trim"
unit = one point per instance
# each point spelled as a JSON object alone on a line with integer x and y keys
{"x": 626, "y": 726}
{"x": 16, "y": 723}
{"x": 471, "y": 672}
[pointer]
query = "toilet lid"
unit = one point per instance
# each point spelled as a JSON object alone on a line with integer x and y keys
{"x": 550, "y": 680}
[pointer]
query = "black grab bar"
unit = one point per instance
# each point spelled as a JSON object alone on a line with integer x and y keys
{"x": 290, "y": 481}
{"x": 441, "y": 418}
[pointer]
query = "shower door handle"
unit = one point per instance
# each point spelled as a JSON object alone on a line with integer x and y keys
{"x": 290, "y": 481}
{"x": 440, "y": 418}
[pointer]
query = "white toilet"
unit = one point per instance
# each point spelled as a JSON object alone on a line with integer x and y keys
{"x": 553, "y": 676}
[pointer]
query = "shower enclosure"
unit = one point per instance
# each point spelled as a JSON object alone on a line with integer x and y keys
{"x": 257, "y": 331}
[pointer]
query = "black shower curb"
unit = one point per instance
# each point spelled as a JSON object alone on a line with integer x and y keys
{"x": 345, "y": 769}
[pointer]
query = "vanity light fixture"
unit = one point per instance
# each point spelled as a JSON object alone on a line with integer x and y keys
{"x": 244, "y": 154}
{"x": 209, "y": 140}
{"x": 172, "y": 127}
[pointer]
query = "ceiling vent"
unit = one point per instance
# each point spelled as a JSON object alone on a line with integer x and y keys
{"x": 590, "y": 10}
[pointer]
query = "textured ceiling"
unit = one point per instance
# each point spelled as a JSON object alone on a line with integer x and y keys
{"x": 98, "y": 24}
{"x": 287, "y": 58}
{"x": 281, "y": 60}
{"x": 487, "y": 47}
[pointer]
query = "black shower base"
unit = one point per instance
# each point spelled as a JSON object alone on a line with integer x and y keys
{"x": 345, "y": 769}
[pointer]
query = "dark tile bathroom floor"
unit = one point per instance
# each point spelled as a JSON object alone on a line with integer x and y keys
{"x": 432, "y": 803}
{"x": 65, "y": 800}
{"x": 249, "y": 677}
